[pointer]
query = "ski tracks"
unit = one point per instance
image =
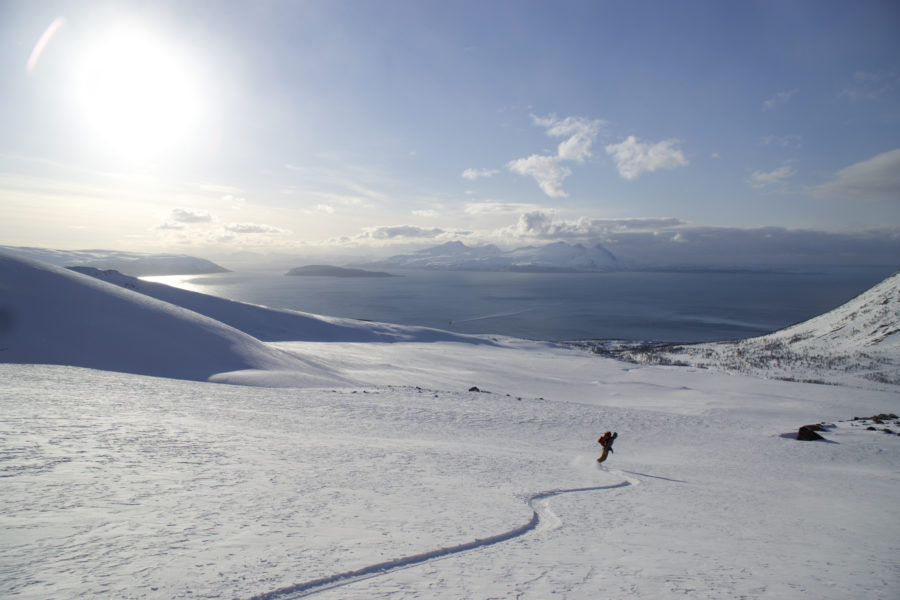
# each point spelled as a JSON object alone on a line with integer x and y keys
{"x": 542, "y": 519}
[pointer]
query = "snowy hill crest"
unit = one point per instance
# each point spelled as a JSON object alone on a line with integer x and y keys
{"x": 52, "y": 315}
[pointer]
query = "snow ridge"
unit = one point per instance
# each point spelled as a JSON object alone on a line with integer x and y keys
{"x": 539, "y": 511}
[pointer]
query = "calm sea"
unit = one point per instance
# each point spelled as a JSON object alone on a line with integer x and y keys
{"x": 658, "y": 306}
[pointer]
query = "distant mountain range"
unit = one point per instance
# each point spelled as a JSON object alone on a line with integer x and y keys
{"x": 556, "y": 257}
{"x": 331, "y": 271}
{"x": 136, "y": 264}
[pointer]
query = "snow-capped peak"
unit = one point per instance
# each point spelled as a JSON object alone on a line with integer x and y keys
{"x": 558, "y": 256}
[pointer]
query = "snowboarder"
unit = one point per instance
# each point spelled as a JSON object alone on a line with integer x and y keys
{"x": 606, "y": 440}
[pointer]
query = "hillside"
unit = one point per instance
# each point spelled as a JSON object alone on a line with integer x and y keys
{"x": 857, "y": 344}
{"x": 51, "y": 315}
{"x": 131, "y": 263}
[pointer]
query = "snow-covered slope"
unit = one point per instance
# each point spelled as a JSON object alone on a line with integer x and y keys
{"x": 558, "y": 256}
{"x": 131, "y": 263}
{"x": 52, "y": 315}
{"x": 380, "y": 476}
{"x": 870, "y": 322}
{"x": 857, "y": 343}
{"x": 122, "y": 486}
{"x": 272, "y": 325}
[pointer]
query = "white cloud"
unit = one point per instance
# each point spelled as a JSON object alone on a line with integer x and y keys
{"x": 546, "y": 170}
{"x": 384, "y": 236}
{"x": 539, "y": 224}
{"x": 534, "y": 223}
{"x": 188, "y": 215}
{"x": 170, "y": 226}
{"x": 633, "y": 157}
{"x": 180, "y": 218}
{"x": 876, "y": 179}
{"x": 777, "y": 99}
{"x": 427, "y": 213}
{"x": 693, "y": 245}
{"x": 760, "y": 179}
{"x": 388, "y": 232}
{"x": 494, "y": 208}
{"x": 578, "y": 131}
{"x": 245, "y": 228}
{"x": 473, "y": 174}
{"x": 324, "y": 208}
{"x": 671, "y": 241}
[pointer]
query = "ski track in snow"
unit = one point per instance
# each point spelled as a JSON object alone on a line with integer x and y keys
{"x": 542, "y": 518}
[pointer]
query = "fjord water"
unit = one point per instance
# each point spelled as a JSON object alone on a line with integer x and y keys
{"x": 636, "y": 305}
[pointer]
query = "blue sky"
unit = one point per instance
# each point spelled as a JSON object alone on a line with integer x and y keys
{"x": 373, "y": 127}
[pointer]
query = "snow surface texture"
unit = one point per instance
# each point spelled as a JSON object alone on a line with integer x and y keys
{"x": 855, "y": 344}
{"x": 402, "y": 484}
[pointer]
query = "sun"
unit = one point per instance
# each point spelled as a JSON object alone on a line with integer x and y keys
{"x": 137, "y": 94}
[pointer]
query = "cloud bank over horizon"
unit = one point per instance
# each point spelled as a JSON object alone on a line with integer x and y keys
{"x": 638, "y": 242}
{"x": 428, "y": 124}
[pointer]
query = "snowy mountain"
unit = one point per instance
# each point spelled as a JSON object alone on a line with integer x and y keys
{"x": 563, "y": 257}
{"x": 857, "y": 343}
{"x": 51, "y": 315}
{"x": 457, "y": 256}
{"x": 367, "y": 470}
{"x": 131, "y": 263}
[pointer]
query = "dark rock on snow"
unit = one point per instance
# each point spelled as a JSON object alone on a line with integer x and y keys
{"x": 807, "y": 433}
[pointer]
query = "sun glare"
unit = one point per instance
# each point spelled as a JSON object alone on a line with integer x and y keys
{"x": 137, "y": 95}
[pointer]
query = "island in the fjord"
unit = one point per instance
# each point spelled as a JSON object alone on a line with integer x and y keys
{"x": 331, "y": 271}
